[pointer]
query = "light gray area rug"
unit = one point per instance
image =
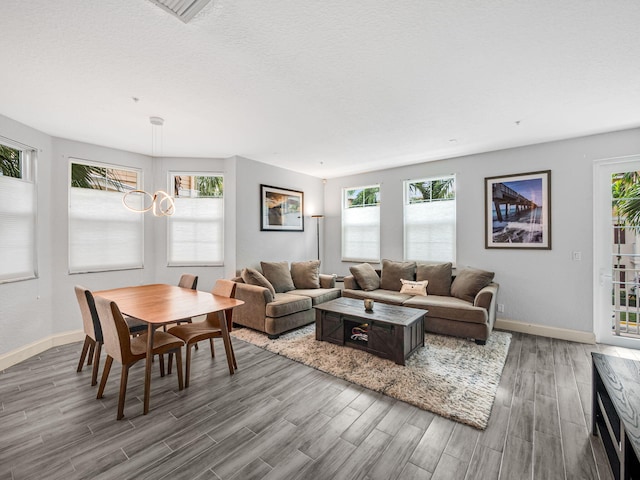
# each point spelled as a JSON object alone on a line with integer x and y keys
{"x": 451, "y": 377}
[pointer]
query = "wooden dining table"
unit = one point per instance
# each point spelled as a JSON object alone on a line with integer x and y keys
{"x": 161, "y": 304}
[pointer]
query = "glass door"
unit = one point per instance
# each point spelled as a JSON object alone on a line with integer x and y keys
{"x": 617, "y": 251}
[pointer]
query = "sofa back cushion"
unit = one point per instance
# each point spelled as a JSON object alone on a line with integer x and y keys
{"x": 306, "y": 274}
{"x": 366, "y": 276}
{"x": 469, "y": 282}
{"x": 438, "y": 275}
{"x": 254, "y": 277}
{"x": 279, "y": 275}
{"x": 393, "y": 272}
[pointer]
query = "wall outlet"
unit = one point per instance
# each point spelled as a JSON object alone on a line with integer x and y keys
{"x": 501, "y": 308}
{"x": 576, "y": 256}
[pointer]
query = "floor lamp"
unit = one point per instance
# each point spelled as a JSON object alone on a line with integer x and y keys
{"x": 318, "y": 217}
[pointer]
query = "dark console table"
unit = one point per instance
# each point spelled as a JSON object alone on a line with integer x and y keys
{"x": 616, "y": 412}
{"x": 394, "y": 332}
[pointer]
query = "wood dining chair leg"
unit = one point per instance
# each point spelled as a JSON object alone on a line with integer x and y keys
{"x": 105, "y": 375}
{"x": 161, "y": 365}
{"x": 213, "y": 352}
{"x": 123, "y": 390}
{"x": 188, "y": 366}
{"x": 96, "y": 363}
{"x": 170, "y": 363}
{"x": 91, "y": 352}
{"x": 85, "y": 349}
{"x": 178, "y": 353}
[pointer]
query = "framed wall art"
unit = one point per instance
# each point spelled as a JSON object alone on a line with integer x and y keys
{"x": 518, "y": 211}
{"x": 282, "y": 210}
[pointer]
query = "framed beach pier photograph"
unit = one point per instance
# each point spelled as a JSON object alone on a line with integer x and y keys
{"x": 518, "y": 211}
{"x": 281, "y": 209}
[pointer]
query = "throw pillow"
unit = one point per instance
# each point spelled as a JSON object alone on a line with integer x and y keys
{"x": 438, "y": 275}
{"x": 469, "y": 282}
{"x": 279, "y": 275}
{"x": 393, "y": 272}
{"x": 414, "y": 288}
{"x": 254, "y": 277}
{"x": 366, "y": 276}
{"x": 306, "y": 274}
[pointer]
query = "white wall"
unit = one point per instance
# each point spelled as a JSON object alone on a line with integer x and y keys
{"x": 25, "y": 307}
{"x": 254, "y": 245}
{"x": 540, "y": 287}
{"x": 544, "y": 287}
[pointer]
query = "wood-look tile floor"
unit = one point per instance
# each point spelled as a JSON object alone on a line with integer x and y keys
{"x": 277, "y": 419}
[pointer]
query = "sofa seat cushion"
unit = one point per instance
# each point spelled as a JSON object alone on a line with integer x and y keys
{"x": 317, "y": 295}
{"x": 286, "y": 304}
{"x": 449, "y": 308}
{"x": 384, "y": 296}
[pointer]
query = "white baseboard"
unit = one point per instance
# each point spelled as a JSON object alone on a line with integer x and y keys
{"x": 28, "y": 351}
{"x": 545, "y": 331}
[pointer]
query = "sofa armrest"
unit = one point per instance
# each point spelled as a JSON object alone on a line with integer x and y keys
{"x": 350, "y": 283}
{"x": 486, "y": 298}
{"x": 327, "y": 281}
{"x": 252, "y": 313}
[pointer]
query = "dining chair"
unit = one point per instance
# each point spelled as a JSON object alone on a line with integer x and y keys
{"x": 128, "y": 350}
{"x": 187, "y": 280}
{"x": 192, "y": 333}
{"x": 92, "y": 332}
{"x": 92, "y": 347}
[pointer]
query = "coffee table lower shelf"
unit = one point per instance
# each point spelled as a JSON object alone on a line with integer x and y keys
{"x": 393, "y": 332}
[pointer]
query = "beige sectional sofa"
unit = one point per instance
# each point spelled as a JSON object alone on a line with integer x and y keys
{"x": 461, "y": 304}
{"x": 280, "y": 298}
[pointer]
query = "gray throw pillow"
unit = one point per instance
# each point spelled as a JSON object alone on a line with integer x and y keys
{"x": 366, "y": 276}
{"x": 279, "y": 275}
{"x": 469, "y": 282}
{"x": 254, "y": 277}
{"x": 439, "y": 276}
{"x": 306, "y": 274}
{"x": 393, "y": 272}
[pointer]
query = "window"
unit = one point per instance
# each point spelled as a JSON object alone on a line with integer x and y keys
{"x": 361, "y": 224}
{"x": 196, "y": 229}
{"x": 17, "y": 212}
{"x": 103, "y": 234}
{"x": 430, "y": 219}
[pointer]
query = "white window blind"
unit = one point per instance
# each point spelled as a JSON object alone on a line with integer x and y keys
{"x": 196, "y": 229}
{"x": 17, "y": 229}
{"x": 430, "y": 220}
{"x": 103, "y": 234}
{"x": 361, "y": 224}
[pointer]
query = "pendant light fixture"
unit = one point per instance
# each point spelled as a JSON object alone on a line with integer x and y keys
{"x": 160, "y": 202}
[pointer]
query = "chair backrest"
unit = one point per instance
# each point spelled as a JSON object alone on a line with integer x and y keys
{"x": 117, "y": 340}
{"x": 188, "y": 280}
{"x": 223, "y": 288}
{"x": 90, "y": 321}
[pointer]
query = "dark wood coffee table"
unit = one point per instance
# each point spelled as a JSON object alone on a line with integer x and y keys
{"x": 393, "y": 332}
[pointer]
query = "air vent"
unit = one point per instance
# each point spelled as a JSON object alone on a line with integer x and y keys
{"x": 185, "y": 10}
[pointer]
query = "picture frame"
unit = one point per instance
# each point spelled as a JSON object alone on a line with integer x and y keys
{"x": 281, "y": 209}
{"x": 518, "y": 211}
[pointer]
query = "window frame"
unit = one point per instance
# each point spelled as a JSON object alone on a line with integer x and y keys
{"x": 407, "y": 203}
{"x": 28, "y": 175}
{"x": 139, "y": 183}
{"x": 344, "y": 208}
{"x": 171, "y": 174}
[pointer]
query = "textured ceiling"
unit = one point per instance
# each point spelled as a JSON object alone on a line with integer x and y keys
{"x": 326, "y": 87}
